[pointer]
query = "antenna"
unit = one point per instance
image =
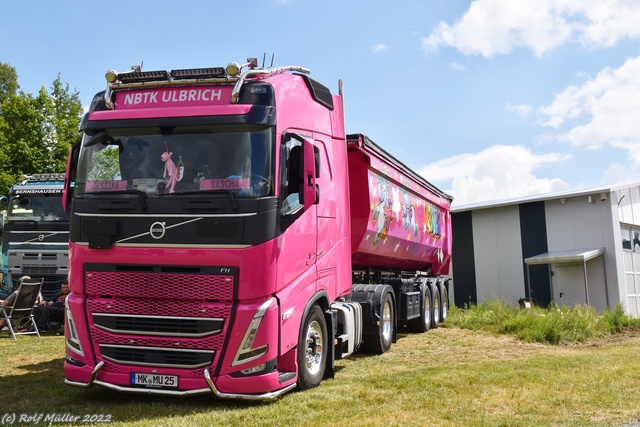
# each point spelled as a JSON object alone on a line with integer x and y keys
{"x": 272, "y": 56}
{"x": 264, "y": 58}
{"x": 137, "y": 68}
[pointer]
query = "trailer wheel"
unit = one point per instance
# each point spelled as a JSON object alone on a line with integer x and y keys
{"x": 444, "y": 307}
{"x": 381, "y": 342}
{"x": 435, "y": 318}
{"x": 312, "y": 349}
{"x": 423, "y": 323}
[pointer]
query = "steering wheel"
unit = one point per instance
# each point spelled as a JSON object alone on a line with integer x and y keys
{"x": 260, "y": 185}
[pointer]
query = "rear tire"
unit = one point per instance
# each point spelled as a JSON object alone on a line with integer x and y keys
{"x": 444, "y": 307}
{"x": 381, "y": 343}
{"x": 312, "y": 349}
{"x": 423, "y": 323}
{"x": 435, "y": 317}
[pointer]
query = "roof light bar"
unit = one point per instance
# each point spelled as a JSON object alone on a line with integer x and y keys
{"x": 46, "y": 176}
{"x": 198, "y": 73}
{"x": 142, "y": 76}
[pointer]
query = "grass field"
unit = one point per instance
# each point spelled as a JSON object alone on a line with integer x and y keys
{"x": 446, "y": 377}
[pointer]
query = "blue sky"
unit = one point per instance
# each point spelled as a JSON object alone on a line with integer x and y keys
{"x": 487, "y": 99}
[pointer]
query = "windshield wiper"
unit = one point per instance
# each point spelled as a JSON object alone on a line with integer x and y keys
{"x": 234, "y": 205}
{"x": 142, "y": 196}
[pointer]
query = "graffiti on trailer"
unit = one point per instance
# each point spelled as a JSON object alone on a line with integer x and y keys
{"x": 391, "y": 203}
{"x": 432, "y": 220}
{"x": 382, "y": 211}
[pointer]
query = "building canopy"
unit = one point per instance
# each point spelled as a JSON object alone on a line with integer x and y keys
{"x": 569, "y": 256}
{"x": 557, "y": 257}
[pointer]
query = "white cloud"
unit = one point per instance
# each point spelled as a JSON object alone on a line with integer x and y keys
{"x": 496, "y": 173}
{"x": 602, "y": 111}
{"x": 493, "y": 27}
{"x": 618, "y": 173}
{"x": 524, "y": 110}
{"x": 457, "y": 66}
{"x": 377, "y": 48}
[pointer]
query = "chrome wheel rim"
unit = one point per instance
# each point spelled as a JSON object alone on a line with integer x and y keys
{"x": 315, "y": 346}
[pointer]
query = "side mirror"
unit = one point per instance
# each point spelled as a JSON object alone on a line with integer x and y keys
{"x": 308, "y": 193}
{"x": 3, "y": 201}
{"x": 70, "y": 176}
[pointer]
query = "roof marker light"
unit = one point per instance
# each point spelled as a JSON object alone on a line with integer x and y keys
{"x": 111, "y": 76}
{"x": 233, "y": 69}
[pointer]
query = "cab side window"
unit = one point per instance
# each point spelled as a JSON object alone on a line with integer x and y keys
{"x": 291, "y": 180}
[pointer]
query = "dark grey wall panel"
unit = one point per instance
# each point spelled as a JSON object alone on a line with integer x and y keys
{"x": 464, "y": 268}
{"x": 533, "y": 232}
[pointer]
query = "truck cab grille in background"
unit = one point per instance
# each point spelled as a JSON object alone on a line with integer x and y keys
{"x": 51, "y": 266}
{"x": 50, "y": 286}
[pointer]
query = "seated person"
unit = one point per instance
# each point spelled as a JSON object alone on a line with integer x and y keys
{"x": 53, "y": 309}
{"x": 11, "y": 299}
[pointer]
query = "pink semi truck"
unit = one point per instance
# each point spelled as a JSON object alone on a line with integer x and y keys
{"x": 228, "y": 237}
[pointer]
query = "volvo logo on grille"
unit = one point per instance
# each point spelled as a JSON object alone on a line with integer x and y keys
{"x": 41, "y": 237}
{"x": 157, "y": 230}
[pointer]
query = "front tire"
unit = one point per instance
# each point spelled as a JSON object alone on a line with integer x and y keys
{"x": 312, "y": 349}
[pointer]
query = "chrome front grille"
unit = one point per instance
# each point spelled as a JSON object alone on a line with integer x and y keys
{"x": 160, "y": 285}
{"x": 213, "y": 342}
{"x": 146, "y": 356}
{"x": 152, "y": 307}
{"x": 152, "y": 325}
{"x": 163, "y": 319}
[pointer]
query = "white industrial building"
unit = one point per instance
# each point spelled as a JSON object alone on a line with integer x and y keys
{"x": 576, "y": 247}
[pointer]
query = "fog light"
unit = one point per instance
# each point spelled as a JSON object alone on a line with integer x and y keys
{"x": 258, "y": 368}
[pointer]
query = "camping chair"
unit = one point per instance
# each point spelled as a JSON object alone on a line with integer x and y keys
{"x": 19, "y": 316}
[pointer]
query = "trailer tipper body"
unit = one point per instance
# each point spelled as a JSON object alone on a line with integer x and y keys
{"x": 228, "y": 237}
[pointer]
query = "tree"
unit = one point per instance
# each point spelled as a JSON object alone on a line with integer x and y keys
{"x": 67, "y": 113}
{"x": 36, "y": 132}
{"x": 8, "y": 82}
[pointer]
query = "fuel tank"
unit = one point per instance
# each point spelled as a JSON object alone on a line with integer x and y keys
{"x": 399, "y": 221}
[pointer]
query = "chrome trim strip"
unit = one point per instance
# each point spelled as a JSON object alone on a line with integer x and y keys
{"x": 92, "y": 380}
{"x": 153, "y": 390}
{"x": 173, "y": 350}
{"x": 165, "y": 227}
{"x": 49, "y": 232}
{"x": 128, "y": 332}
{"x": 38, "y": 243}
{"x": 265, "y": 396}
{"x": 111, "y": 215}
{"x": 183, "y": 245}
{"x": 212, "y": 388}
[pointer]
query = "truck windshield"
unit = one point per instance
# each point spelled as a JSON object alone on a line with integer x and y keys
{"x": 36, "y": 207}
{"x": 177, "y": 160}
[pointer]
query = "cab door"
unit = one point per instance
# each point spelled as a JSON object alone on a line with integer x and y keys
{"x": 297, "y": 245}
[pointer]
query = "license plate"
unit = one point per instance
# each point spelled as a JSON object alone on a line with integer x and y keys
{"x": 154, "y": 380}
